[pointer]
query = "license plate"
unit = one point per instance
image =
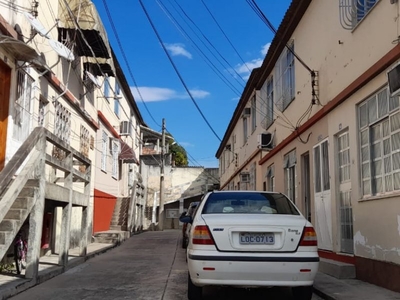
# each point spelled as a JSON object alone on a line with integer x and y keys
{"x": 259, "y": 238}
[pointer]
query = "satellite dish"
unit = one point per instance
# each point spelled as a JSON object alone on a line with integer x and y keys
{"x": 93, "y": 79}
{"x": 36, "y": 24}
{"x": 61, "y": 50}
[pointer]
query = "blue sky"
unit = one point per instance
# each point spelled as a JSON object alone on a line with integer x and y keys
{"x": 213, "y": 44}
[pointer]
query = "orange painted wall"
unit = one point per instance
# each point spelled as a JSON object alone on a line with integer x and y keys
{"x": 103, "y": 210}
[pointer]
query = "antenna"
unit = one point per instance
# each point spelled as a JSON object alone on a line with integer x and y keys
{"x": 93, "y": 79}
{"x": 61, "y": 50}
{"x": 35, "y": 23}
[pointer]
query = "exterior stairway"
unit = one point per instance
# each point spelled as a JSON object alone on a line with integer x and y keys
{"x": 16, "y": 216}
{"x": 119, "y": 219}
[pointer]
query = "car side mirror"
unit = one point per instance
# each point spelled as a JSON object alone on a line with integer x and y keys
{"x": 186, "y": 219}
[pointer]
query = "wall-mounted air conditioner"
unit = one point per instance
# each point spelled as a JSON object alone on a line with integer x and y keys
{"x": 265, "y": 141}
{"x": 244, "y": 177}
{"x": 246, "y": 112}
{"x": 394, "y": 80}
{"x": 125, "y": 128}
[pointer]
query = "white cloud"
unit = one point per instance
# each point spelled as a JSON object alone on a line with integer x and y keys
{"x": 243, "y": 69}
{"x": 178, "y": 49}
{"x": 197, "y": 94}
{"x": 265, "y": 48}
{"x": 154, "y": 94}
{"x": 186, "y": 144}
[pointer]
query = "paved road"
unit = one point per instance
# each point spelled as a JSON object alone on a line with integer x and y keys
{"x": 148, "y": 266}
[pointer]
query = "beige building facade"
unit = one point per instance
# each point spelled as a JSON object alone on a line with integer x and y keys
{"x": 318, "y": 122}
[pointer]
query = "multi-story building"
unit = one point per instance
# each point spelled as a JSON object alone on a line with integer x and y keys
{"x": 320, "y": 120}
{"x": 70, "y": 129}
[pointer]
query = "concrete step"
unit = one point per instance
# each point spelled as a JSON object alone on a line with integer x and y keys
{"x": 21, "y": 202}
{"x": 14, "y": 214}
{"x": 337, "y": 269}
{"x": 8, "y": 225}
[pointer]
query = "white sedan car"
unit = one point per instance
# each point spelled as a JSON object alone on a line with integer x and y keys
{"x": 251, "y": 239}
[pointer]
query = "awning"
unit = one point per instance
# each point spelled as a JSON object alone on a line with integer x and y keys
{"x": 91, "y": 40}
{"x": 21, "y": 51}
{"x": 127, "y": 155}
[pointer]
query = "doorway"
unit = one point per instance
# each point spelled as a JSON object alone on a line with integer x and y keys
{"x": 322, "y": 196}
{"x": 5, "y": 77}
{"x": 306, "y": 185}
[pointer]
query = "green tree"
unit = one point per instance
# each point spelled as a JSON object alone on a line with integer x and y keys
{"x": 179, "y": 155}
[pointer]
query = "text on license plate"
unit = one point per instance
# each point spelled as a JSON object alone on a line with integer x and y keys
{"x": 256, "y": 238}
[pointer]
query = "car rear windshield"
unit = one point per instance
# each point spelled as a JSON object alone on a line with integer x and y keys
{"x": 249, "y": 203}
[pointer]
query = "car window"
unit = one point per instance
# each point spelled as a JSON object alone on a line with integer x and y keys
{"x": 249, "y": 203}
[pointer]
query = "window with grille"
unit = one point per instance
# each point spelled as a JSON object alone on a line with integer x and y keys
{"x": 351, "y": 12}
{"x": 116, "y": 100}
{"x": 104, "y": 146}
{"x": 284, "y": 78}
{"x": 271, "y": 178}
{"x": 115, "y": 153}
{"x": 267, "y": 96}
{"x": 344, "y": 157}
{"x": 253, "y": 113}
{"x": 22, "y": 107}
{"x": 252, "y": 174}
{"x": 379, "y": 123}
{"x": 289, "y": 166}
{"x": 84, "y": 145}
{"x": 62, "y": 127}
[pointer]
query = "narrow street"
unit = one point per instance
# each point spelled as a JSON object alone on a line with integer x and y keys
{"x": 149, "y": 266}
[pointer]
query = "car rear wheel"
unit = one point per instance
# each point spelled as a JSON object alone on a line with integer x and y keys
{"x": 194, "y": 292}
{"x": 302, "y": 292}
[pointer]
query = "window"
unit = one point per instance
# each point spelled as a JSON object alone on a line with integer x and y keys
{"x": 115, "y": 153}
{"x": 271, "y": 178}
{"x": 84, "y": 145}
{"x": 284, "y": 78}
{"x": 353, "y": 11}
{"x": 104, "y": 142}
{"x": 22, "y": 108}
{"x": 106, "y": 88}
{"x": 344, "y": 157}
{"x": 42, "y": 110}
{"x": 289, "y": 166}
{"x": 245, "y": 134}
{"x": 116, "y": 100}
{"x": 379, "y": 123}
{"x": 252, "y": 179}
{"x": 361, "y": 8}
{"x": 62, "y": 128}
{"x": 253, "y": 114}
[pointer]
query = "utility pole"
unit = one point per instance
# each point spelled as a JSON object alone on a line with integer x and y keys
{"x": 161, "y": 214}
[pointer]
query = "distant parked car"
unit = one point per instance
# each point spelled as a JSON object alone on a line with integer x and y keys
{"x": 186, "y": 226}
{"x": 250, "y": 239}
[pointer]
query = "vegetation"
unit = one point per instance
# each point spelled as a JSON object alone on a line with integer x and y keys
{"x": 179, "y": 155}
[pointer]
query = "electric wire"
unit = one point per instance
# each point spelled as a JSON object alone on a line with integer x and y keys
{"x": 202, "y": 54}
{"x": 176, "y": 71}
{"x": 126, "y": 60}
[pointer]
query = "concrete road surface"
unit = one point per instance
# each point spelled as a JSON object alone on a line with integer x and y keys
{"x": 148, "y": 266}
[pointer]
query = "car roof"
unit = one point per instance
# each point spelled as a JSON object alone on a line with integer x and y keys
{"x": 245, "y": 191}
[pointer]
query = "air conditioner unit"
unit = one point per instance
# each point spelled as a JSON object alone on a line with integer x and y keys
{"x": 265, "y": 141}
{"x": 246, "y": 112}
{"x": 244, "y": 177}
{"x": 125, "y": 128}
{"x": 394, "y": 80}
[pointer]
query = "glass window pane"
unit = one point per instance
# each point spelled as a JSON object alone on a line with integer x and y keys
{"x": 395, "y": 122}
{"x": 393, "y": 103}
{"x": 388, "y": 183}
{"x": 396, "y": 141}
{"x": 317, "y": 169}
{"x": 365, "y": 170}
{"x": 396, "y": 161}
{"x": 364, "y": 137}
{"x": 396, "y": 181}
{"x": 325, "y": 166}
{"x": 363, "y": 115}
{"x": 372, "y": 110}
{"x": 366, "y": 187}
{"x": 383, "y": 106}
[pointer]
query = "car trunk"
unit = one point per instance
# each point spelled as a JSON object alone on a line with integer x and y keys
{"x": 255, "y": 232}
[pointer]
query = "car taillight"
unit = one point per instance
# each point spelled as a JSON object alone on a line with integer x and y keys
{"x": 202, "y": 236}
{"x": 309, "y": 237}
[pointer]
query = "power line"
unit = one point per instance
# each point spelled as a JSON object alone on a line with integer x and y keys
{"x": 126, "y": 60}
{"x": 176, "y": 70}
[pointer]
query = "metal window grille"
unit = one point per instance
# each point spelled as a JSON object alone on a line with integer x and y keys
{"x": 245, "y": 133}
{"x": 42, "y": 111}
{"x": 62, "y": 127}
{"x": 115, "y": 152}
{"x": 344, "y": 157}
{"x": 253, "y": 113}
{"x": 351, "y": 12}
{"x": 84, "y": 145}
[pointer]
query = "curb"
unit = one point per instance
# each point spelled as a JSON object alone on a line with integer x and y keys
{"x": 322, "y": 294}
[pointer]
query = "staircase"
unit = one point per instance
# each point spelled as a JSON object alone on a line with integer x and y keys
{"x": 337, "y": 269}
{"x": 119, "y": 220}
{"x": 16, "y": 216}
